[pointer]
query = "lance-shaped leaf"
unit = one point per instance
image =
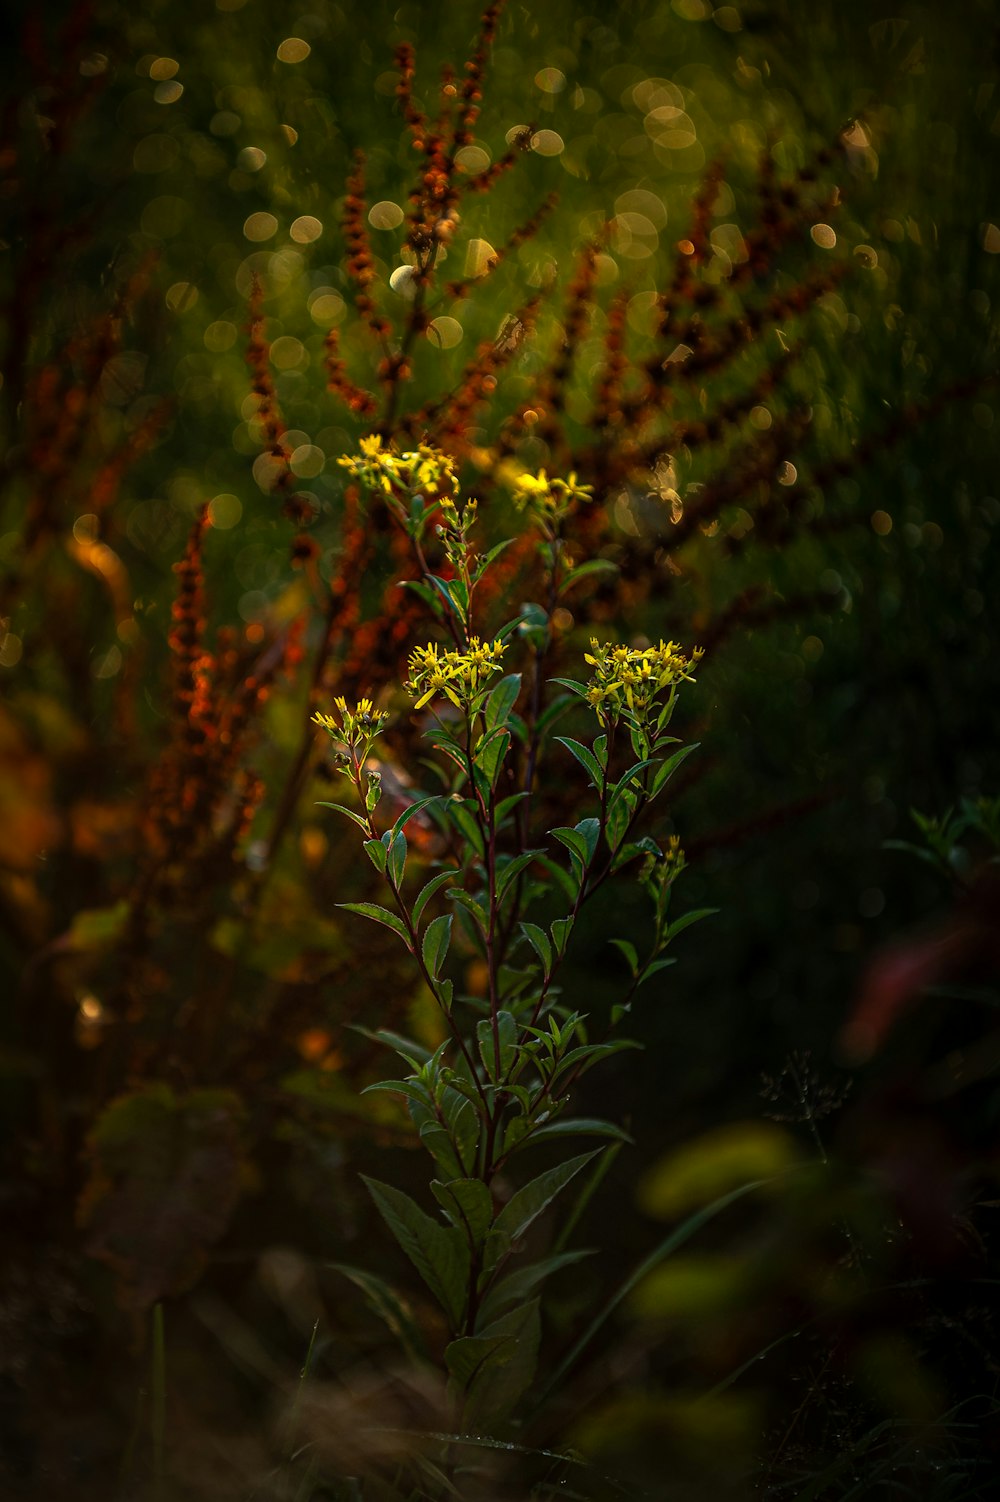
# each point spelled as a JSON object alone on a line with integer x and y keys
{"x": 524, "y": 1207}
{"x": 439, "y": 1253}
{"x": 427, "y": 892}
{"x": 669, "y": 767}
{"x": 496, "y": 1065}
{"x": 517, "y": 1287}
{"x": 502, "y": 700}
{"x": 435, "y": 945}
{"x": 468, "y": 1204}
{"x": 379, "y": 915}
{"x": 348, "y": 814}
{"x": 504, "y": 1373}
{"x": 584, "y": 756}
{"x": 539, "y": 941}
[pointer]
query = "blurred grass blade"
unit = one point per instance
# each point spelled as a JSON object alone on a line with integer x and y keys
{"x": 669, "y": 1244}
{"x": 158, "y": 1385}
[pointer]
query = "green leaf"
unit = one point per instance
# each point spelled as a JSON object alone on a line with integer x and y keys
{"x": 379, "y": 915}
{"x": 497, "y": 1067}
{"x": 439, "y": 1253}
{"x": 488, "y": 558}
{"x": 669, "y": 767}
{"x": 430, "y": 597}
{"x": 561, "y": 930}
{"x": 564, "y": 879}
{"x": 466, "y": 1357}
{"x": 414, "y": 1053}
{"x": 377, "y": 854}
{"x": 539, "y": 941}
{"x": 504, "y": 1376}
{"x": 490, "y": 755}
{"x": 584, "y": 756}
{"x": 511, "y": 869}
{"x": 461, "y": 896}
{"x": 687, "y": 919}
{"x": 348, "y": 814}
{"x": 388, "y": 1306}
{"x": 589, "y": 1054}
{"x": 397, "y": 859}
{"x": 410, "y": 813}
{"x": 574, "y": 687}
{"x": 579, "y": 1126}
{"x": 586, "y": 570}
{"x": 461, "y": 813}
{"x": 524, "y": 1207}
{"x": 439, "y": 1144}
{"x": 468, "y": 1204}
{"x": 518, "y": 1286}
{"x": 576, "y": 844}
{"x": 435, "y": 944}
{"x": 505, "y": 806}
{"x": 553, "y": 712}
{"x": 630, "y": 952}
{"x": 619, "y": 817}
{"x": 624, "y": 782}
{"x": 590, "y": 829}
{"x": 427, "y": 892}
{"x": 501, "y": 701}
{"x": 407, "y": 1089}
{"x": 652, "y": 968}
{"x": 445, "y": 589}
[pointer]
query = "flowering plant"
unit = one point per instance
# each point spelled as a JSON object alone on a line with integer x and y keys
{"x": 490, "y": 923}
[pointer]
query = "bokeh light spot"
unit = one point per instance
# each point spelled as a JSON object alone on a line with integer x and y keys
{"x": 550, "y": 80}
{"x": 224, "y": 511}
{"x": 287, "y": 352}
{"x": 823, "y": 235}
{"x": 547, "y": 143}
{"x": 326, "y": 305}
{"x": 472, "y": 159}
{"x": 403, "y": 282}
{"x": 219, "y": 336}
{"x": 385, "y": 215}
{"x": 293, "y": 50}
{"x": 445, "y": 333}
{"x": 307, "y": 461}
{"x": 260, "y": 226}
{"x": 181, "y": 297}
{"x": 305, "y": 229}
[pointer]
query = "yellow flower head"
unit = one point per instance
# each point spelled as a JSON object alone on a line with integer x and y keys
{"x": 356, "y": 727}
{"x": 629, "y": 680}
{"x": 459, "y": 676}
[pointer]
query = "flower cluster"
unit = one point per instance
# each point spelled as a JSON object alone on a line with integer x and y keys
{"x": 457, "y": 675}
{"x": 423, "y": 470}
{"x": 355, "y": 728}
{"x": 630, "y": 679}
